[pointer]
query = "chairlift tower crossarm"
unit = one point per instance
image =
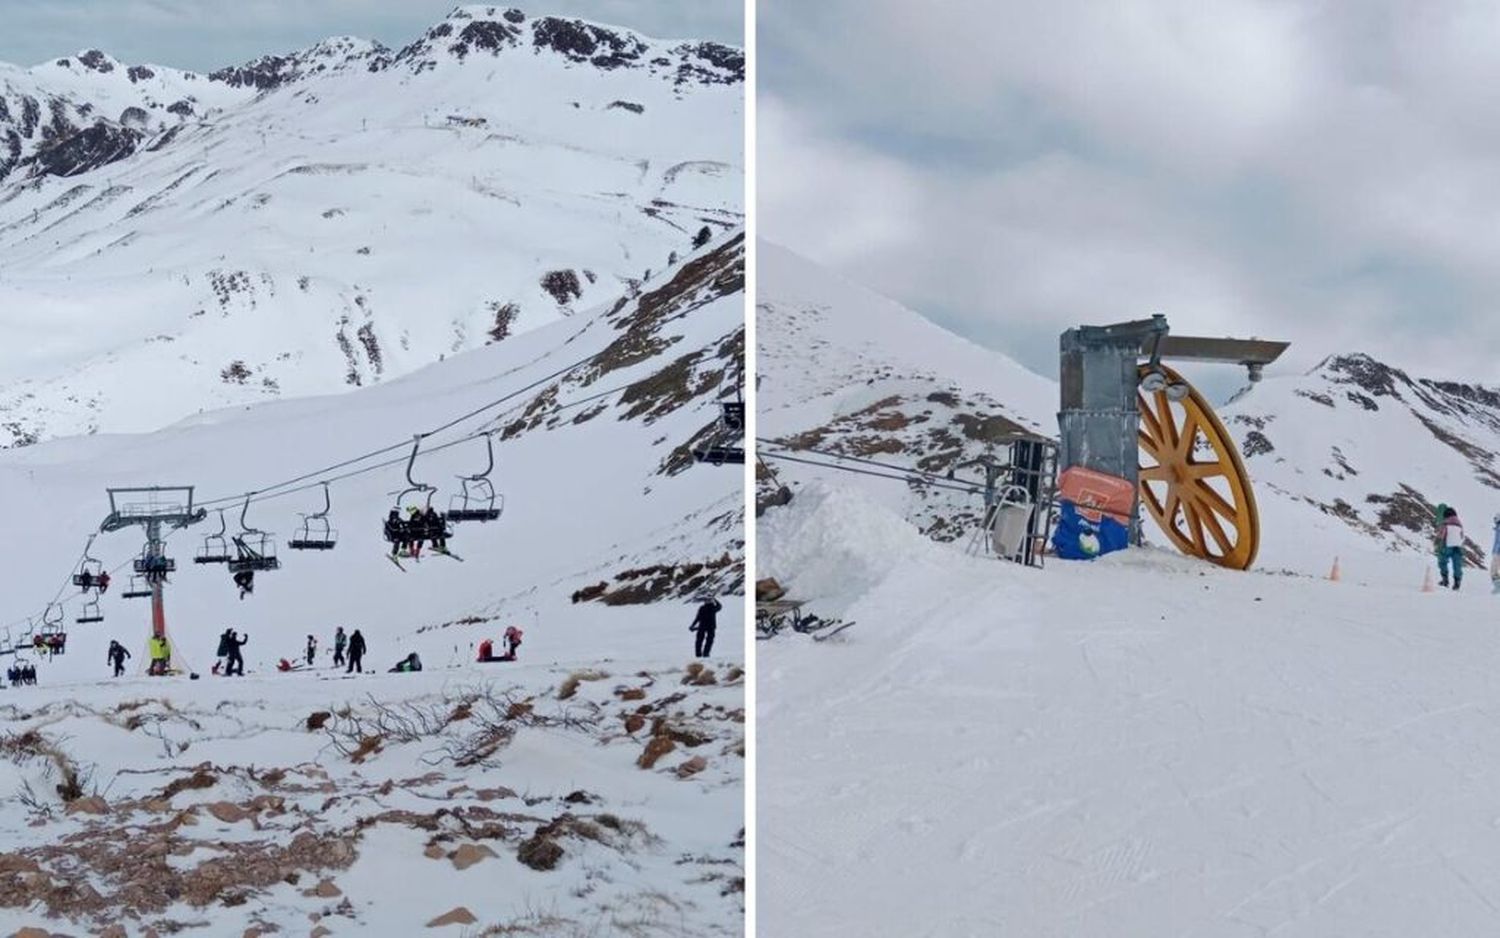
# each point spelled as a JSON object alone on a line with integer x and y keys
{"x": 170, "y": 505}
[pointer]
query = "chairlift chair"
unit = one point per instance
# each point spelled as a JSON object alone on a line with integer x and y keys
{"x": 416, "y": 495}
{"x": 138, "y": 588}
{"x": 254, "y": 549}
{"x": 479, "y": 503}
{"x": 86, "y": 577}
{"x": 154, "y": 567}
{"x": 215, "y": 547}
{"x": 721, "y": 446}
{"x": 91, "y": 612}
{"x": 316, "y": 532}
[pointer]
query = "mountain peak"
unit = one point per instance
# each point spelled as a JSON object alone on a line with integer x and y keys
{"x": 1365, "y": 371}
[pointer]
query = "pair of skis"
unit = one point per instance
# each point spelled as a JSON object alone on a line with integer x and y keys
{"x": 444, "y": 553}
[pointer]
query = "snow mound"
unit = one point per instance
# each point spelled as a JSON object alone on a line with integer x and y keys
{"x": 835, "y": 545}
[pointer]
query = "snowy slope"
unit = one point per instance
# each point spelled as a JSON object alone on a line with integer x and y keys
{"x": 600, "y": 500}
{"x": 1361, "y": 452}
{"x": 844, "y": 370}
{"x": 1141, "y": 746}
{"x": 342, "y": 215}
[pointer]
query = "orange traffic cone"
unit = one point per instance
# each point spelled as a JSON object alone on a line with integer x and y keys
{"x": 1427, "y": 580}
{"x": 1334, "y": 575}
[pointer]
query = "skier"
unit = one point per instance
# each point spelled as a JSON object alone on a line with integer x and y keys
{"x": 706, "y": 623}
{"x": 161, "y": 655}
{"x": 1450, "y": 547}
{"x": 356, "y": 653}
{"x": 393, "y": 531}
{"x": 245, "y": 580}
{"x": 339, "y": 638}
{"x": 414, "y": 527}
{"x": 236, "y": 663}
{"x": 312, "y": 650}
{"x": 512, "y": 643}
{"x": 117, "y": 656}
{"x": 410, "y": 663}
{"x": 435, "y": 529}
{"x": 1495, "y": 559}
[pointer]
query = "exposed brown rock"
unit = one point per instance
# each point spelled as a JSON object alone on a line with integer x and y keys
{"x": 655, "y": 749}
{"x": 455, "y": 916}
{"x": 469, "y": 854}
{"x": 93, "y": 804}
{"x": 692, "y": 767}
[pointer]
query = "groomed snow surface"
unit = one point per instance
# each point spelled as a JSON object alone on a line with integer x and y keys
{"x": 1142, "y": 745}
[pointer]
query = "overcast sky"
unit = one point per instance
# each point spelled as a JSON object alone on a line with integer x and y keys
{"x": 1327, "y": 173}
{"x": 208, "y": 34}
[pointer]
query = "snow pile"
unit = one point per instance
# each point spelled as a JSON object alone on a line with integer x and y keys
{"x": 834, "y": 545}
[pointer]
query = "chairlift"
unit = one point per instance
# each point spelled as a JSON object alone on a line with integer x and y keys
{"x": 407, "y": 521}
{"x": 51, "y": 635}
{"x": 726, "y": 443}
{"x": 479, "y": 503}
{"x": 89, "y": 569}
{"x": 215, "y": 547}
{"x": 316, "y": 532}
{"x": 153, "y": 567}
{"x": 254, "y": 549}
{"x": 138, "y": 588}
{"x": 7, "y": 644}
{"x": 91, "y": 612}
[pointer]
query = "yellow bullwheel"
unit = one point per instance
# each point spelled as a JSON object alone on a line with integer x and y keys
{"x": 1192, "y": 480}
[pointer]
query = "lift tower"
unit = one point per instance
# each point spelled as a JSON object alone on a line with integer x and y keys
{"x": 153, "y": 508}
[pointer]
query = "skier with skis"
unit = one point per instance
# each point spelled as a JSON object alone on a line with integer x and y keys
{"x": 117, "y": 655}
{"x": 706, "y": 623}
{"x": 312, "y": 650}
{"x": 1450, "y": 548}
{"x": 339, "y": 640}
{"x": 432, "y": 525}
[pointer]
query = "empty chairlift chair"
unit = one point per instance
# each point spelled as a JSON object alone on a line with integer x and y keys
{"x": 215, "y": 547}
{"x": 316, "y": 533}
{"x": 726, "y": 443}
{"x": 477, "y": 501}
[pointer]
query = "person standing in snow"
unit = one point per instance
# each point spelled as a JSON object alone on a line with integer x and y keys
{"x": 706, "y": 623}
{"x": 339, "y": 638}
{"x": 161, "y": 655}
{"x": 356, "y": 653}
{"x": 1450, "y": 547}
{"x": 312, "y": 650}
{"x": 236, "y": 663}
{"x": 117, "y": 656}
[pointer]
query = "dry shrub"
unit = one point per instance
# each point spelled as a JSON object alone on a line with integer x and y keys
{"x": 569, "y": 686}
{"x": 657, "y": 747}
{"x": 540, "y": 852}
{"x": 316, "y": 721}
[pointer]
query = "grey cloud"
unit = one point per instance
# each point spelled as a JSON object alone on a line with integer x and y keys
{"x": 1319, "y": 172}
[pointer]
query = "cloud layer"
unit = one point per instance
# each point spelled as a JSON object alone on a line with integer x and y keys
{"x": 209, "y": 34}
{"x": 1325, "y": 173}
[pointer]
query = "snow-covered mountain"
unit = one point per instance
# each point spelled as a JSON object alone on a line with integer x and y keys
{"x": 612, "y": 795}
{"x": 338, "y": 216}
{"x": 1362, "y": 452}
{"x": 1348, "y": 461}
{"x": 844, "y": 370}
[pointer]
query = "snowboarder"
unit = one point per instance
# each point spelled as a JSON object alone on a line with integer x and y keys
{"x": 161, "y": 655}
{"x": 356, "y": 653}
{"x": 117, "y": 655}
{"x": 1450, "y": 547}
{"x": 706, "y": 623}
{"x": 236, "y": 663}
{"x": 410, "y": 663}
{"x": 339, "y": 638}
{"x": 312, "y": 650}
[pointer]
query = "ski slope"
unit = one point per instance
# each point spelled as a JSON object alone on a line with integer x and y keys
{"x": 590, "y": 418}
{"x": 1143, "y": 745}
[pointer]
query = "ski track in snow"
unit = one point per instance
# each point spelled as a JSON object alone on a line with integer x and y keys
{"x": 1139, "y": 746}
